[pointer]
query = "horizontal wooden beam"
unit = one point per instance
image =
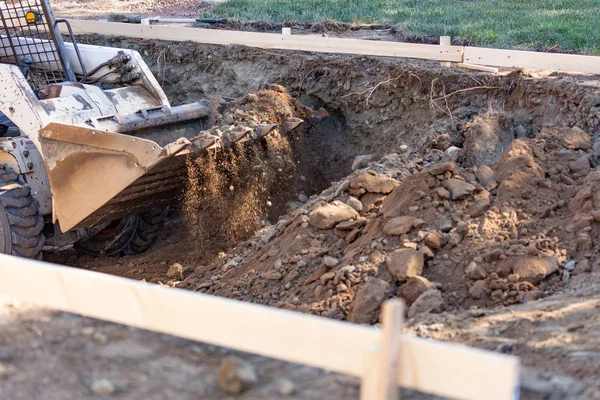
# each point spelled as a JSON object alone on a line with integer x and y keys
{"x": 425, "y": 365}
{"x": 532, "y": 60}
{"x": 271, "y": 40}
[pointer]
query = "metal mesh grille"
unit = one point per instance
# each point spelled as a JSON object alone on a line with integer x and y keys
{"x": 30, "y": 44}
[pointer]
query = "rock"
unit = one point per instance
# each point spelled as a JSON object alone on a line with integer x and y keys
{"x": 374, "y": 183}
{"x": 175, "y": 272}
{"x": 405, "y": 263}
{"x": 302, "y": 198}
{"x": 475, "y": 271}
{"x": 371, "y": 201}
{"x": 534, "y": 269}
{"x": 401, "y": 225}
{"x": 570, "y": 266}
{"x": 365, "y": 309}
{"x": 441, "y": 168}
{"x": 285, "y": 387}
{"x": 272, "y": 275}
{"x": 584, "y": 242}
{"x": 481, "y": 202}
{"x": 580, "y": 166}
{"x": 330, "y": 262}
{"x": 428, "y": 302}
{"x": 486, "y": 177}
{"x": 103, "y": 387}
{"x": 582, "y": 268}
{"x": 445, "y": 223}
{"x": 532, "y": 296}
{"x": 435, "y": 240}
{"x": 443, "y": 193}
{"x": 414, "y": 287}
{"x": 361, "y": 161}
{"x": 351, "y": 224}
{"x": 459, "y": 189}
{"x": 574, "y": 138}
{"x": 520, "y": 132}
{"x": 355, "y": 203}
{"x": 252, "y": 98}
{"x": 327, "y": 216}
{"x": 453, "y": 152}
{"x": 327, "y": 277}
{"x": 477, "y": 291}
{"x": 236, "y": 375}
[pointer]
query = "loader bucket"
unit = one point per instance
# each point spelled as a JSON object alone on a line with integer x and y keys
{"x": 98, "y": 176}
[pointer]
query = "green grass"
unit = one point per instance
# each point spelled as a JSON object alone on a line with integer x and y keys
{"x": 532, "y": 24}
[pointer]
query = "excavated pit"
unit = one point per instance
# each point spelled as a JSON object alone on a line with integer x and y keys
{"x": 406, "y": 116}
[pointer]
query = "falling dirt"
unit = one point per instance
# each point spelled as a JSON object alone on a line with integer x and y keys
{"x": 462, "y": 193}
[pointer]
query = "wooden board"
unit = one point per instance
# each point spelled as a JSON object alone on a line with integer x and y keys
{"x": 532, "y": 60}
{"x": 428, "y": 366}
{"x": 271, "y": 40}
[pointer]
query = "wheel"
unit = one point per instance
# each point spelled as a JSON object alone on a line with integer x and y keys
{"x": 21, "y": 224}
{"x": 127, "y": 236}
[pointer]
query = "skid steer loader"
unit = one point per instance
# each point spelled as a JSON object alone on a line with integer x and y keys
{"x": 91, "y": 151}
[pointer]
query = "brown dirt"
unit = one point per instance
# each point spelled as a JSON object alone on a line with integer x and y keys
{"x": 519, "y": 226}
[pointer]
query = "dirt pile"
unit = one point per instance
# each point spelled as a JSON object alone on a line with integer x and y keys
{"x": 440, "y": 233}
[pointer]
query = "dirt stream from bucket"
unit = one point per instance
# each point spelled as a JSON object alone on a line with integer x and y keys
{"x": 471, "y": 196}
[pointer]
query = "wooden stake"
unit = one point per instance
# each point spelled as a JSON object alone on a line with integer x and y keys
{"x": 381, "y": 379}
{"x": 445, "y": 41}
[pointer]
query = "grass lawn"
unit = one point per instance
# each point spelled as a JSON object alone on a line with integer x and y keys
{"x": 530, "y": 24}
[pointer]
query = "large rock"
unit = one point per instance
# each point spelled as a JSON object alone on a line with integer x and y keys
{"x": 430, "y": 301}
{"x": 327, "y": 216}
{"x": 574, "y": 138}
{"x": 401, "y": 225}
{"x": 415, "y": 287}
{"x": 459, "y": 189}
{"x": 365, "y": 309}
{"x": 361, "y": 161}
{"x": 236, "y": 375}
{"x": 374, "y": 183}
{"x": 405, "y": 263}
{"x": 481, "y": 202}
{"x": 441, "y": 167}
{"x": 486, "y": 177}
{"x": 534, "y": 269}
{"x": 580, "y": 165}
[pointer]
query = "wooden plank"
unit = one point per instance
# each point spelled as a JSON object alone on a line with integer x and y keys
{"x": 478, "y": 67}
{"x": 290, "y": 336}
{"x": 532, "y": 60}
{"x": 271, "y": 40}
{"x": 457, "y": 371}
{"x": 428, "y": 366}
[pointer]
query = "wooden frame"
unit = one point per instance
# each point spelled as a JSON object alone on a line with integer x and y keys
{"x": 443, "y": 53}
{"x": 383, "y": 358}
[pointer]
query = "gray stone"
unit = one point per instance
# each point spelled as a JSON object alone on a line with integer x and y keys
{"x": 453, "y": 152}
{"x": 580, "y": 166}
{"x": 361, "y": 161}
{"x": 477, "y": 291}
{"x": 285, "y": 387}
{"x": 103, "y": 387}
{"x": 570, "y": 266}
{"x": 430, "y": 301}
{"x": 459, "y": 189}
{"x": 355, "y": 203}
{"x": 330, "y": 262}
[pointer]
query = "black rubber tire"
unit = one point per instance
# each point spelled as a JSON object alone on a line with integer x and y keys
{"x": 128, "y": 236}
{"x": 21, "y": 224}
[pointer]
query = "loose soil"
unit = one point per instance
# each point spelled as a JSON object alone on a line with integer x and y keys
{"x": 476, "y": 203}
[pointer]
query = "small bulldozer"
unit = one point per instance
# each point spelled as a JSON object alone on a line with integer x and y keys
{"x": 91, "y": 151}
